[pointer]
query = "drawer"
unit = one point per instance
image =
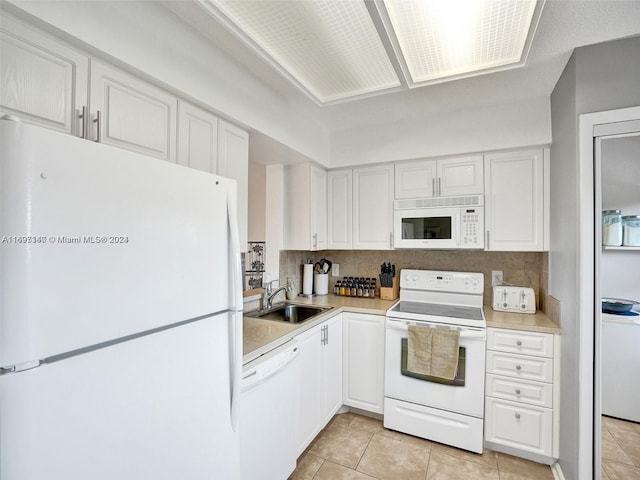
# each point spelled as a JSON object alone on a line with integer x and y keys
{"x": 520, "y": 366}
{"x": 517, "y": 341}
{"x": 518, "y": 390}
{"x": 519, "y": 426}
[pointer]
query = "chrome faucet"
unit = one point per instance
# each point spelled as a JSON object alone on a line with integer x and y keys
{"x": 267, "y": 300}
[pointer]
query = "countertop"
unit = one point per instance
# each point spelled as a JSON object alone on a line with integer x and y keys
{"x": 261, "y": 336}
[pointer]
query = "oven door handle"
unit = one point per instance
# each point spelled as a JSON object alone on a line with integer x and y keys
{"x": 464, "y": 332}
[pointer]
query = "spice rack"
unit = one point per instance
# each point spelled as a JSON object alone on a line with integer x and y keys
{"x": 361, "y": 287}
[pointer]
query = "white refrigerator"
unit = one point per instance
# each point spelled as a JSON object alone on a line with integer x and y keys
{"x": 120, "y": 314}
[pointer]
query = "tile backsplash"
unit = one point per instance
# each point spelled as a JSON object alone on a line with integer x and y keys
{"x": 528, "y": 269}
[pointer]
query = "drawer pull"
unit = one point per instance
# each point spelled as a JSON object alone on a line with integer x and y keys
{"x": 517, "y": 391}
{"x": 519, "y": 343}
{"x": 517, "y": 416}
{"x": 518, "y": 367}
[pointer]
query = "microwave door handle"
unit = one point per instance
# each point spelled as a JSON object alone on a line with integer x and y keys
{"x": 457, "y": 227}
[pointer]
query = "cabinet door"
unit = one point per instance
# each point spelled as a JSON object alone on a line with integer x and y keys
{"x": 363, "y": 377}
{"x": 233, "y": 162}
{"x": 520, "y": 426}
{"x": 308, "y": 396}
{"x": 331, "y": 380}
{"x": 197, "y": 138}
{"x": 460, "y": 176}
{"x": 42, "y": 81}
{"x": 340, "y": 207}
{"x": 373, "y": 208}
{"x": 415, "y": 179}
{"x": 514, "y": 199}
{"x": 318, "y": 209}
{"x": 133, "y": 114}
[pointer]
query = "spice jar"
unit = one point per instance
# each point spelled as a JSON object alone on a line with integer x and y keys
{"x": 612, "y": 228}
{"x": 631, "y": 227}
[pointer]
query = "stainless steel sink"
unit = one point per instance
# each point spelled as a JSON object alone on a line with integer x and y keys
{"x": 289, "y": 312}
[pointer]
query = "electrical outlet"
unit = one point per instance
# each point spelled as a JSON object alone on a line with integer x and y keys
{"x": 496, "y": 277}
{"x": 335, "y": 270}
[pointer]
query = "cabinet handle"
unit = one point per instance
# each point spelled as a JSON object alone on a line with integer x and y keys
{"x": 517, "y": 391}
{"x": 487, "y": 246}
{"x": 517, "y": 416}
{"x": 439, "y": 187}
{"x": 83, "y": 116}
{"x": 98, "y": 121}
{"x": 518, "y": 367}
{"x": 390, "y": 239}
{"x": 315, "y": 240}
{"x": 433, "y": 187}
{"x": 519, "y": 343}
{"x": 326, "y": 334}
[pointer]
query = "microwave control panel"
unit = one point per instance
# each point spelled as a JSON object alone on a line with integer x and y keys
{"x": 472, "y": 227}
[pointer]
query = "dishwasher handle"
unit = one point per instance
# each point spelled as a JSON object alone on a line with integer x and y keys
{"x": 269, "y": 367}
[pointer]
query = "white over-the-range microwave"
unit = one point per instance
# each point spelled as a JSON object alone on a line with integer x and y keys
{"x": 439, "y": 222}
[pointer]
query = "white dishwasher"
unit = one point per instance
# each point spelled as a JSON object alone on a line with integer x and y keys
{"x": 267, "y": 414}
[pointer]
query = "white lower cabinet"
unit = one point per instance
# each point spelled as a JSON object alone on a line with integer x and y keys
{"x": 363, "y": 372}
{"x": 320, "y": 385}
{"x": 522, "y": 401}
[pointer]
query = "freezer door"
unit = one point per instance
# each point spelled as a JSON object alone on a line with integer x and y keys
{"x": 157, "y": 407}
{"x": 99, "y": 243}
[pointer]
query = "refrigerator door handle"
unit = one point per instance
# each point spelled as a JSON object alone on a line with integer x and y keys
{"x": 236, "y": 305}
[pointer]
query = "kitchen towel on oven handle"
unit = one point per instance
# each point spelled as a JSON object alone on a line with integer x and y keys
{"x": 433, "y": 351}
{"x": 466, "y": 332}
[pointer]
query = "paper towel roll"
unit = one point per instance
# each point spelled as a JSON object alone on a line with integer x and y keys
{"x": 307, "y": 279}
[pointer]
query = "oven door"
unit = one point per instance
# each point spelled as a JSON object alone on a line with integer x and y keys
{"x": 426, "y": 228}
{"x": 464, "y": 395}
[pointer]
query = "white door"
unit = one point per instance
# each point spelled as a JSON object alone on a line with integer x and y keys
{"x": 363, "y": 378}
{"x": 132, "y": 114}
{"x": 140, "y": 243}
{"x": 197, "y": 138}
{"x": 42, "y": 80}
{"x": 318, "y": 208}
{"x": 415, "y": 179}
{"x": 153, "y": 407}
{"x": 340, "y": 206}
{"x": 307, "y": 405}
{"x": 331, "y": 382}
{"x": 373, "y": 208}
{"x": 515, "y": 200}
{"x": 460, "y": 176}
{"x": 233, "y": 162}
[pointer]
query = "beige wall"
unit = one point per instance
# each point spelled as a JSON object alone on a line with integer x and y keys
{"x": 520, "y": 268}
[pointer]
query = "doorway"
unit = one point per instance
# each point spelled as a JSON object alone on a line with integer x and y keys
{"x": 597, "y": 130}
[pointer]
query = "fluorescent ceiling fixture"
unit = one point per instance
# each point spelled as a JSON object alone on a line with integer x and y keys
{"x": 331, "y": 49}
{"x": 452, "y": 38}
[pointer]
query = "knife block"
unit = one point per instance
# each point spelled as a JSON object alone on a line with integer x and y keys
{"x": 391, "y": 293}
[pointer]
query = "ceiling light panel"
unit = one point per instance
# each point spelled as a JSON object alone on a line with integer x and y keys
{"x": 331, "y": 48}
{"x": 448, "y": 38}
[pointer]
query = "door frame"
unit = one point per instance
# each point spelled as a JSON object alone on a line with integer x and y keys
{"x": 590, "y": 126}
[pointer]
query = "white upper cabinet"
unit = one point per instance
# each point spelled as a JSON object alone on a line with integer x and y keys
{"x": 517, "y": 200}
{"x": 130, "y": 113}
{"x": 373, "y": 208}
{"x": 305, "y": 207}
{"x": 197, "y": 138}
{"x": 340, "y": 207}
{"x": 233, "y": 162}
{"x": 42, "y": 81}
{"x": 442, "y": 177}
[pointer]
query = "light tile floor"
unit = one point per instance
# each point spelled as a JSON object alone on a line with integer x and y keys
{"x": 354, "y": 447}
{"x": 620, "y": 449}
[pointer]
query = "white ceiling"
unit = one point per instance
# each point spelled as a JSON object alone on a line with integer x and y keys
{"x": 564, "y": 25}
